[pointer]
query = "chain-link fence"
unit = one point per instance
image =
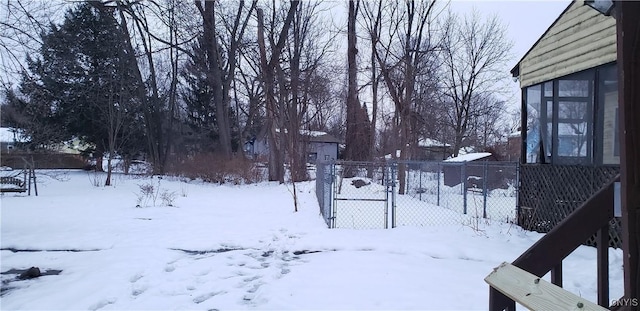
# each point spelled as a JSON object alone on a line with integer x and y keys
{"x": 447, "y": 193}
{"x": 391, "y": 194}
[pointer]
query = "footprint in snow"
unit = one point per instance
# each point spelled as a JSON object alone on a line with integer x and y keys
{"x": 138, "y": 290}
{"x": 135, "y": 278}
{"x": 103, "y": 303}
{"x": 204, "y": 297}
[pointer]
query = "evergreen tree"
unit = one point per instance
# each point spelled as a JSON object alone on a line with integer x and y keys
{"x": 200, "y": 105}
{"x": 198, "y": 101}
{"x": 81, "y": 85}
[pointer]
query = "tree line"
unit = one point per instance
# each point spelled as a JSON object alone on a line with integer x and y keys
{"x": 171, "y": 80}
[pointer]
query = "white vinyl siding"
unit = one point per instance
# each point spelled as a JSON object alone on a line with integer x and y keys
{"x": 580, "y": 39}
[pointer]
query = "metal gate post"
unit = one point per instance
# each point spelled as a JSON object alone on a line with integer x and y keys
{"x": 484, "y": 190}
{"x": 333, "y": 200}
{"x": 386, "y": 195}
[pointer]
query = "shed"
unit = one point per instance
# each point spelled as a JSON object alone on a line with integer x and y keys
{"x": 456, "y": 168}
{"x": 319, "y": 145}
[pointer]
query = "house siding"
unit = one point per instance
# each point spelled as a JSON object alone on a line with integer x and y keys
{"x": 580, "y": 39}
{"x": 324, "y": 151}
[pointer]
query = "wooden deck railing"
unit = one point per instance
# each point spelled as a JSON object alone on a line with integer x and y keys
{"x": 546, "y": 255}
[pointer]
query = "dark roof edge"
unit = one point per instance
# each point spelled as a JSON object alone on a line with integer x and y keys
{"x": 515, "y": 72}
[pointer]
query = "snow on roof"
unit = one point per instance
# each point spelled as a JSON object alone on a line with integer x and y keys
{"x": 469, "y": 157}
{"x": 10, "y": 135}
{"x": 306, "y": 132}
{"x": 312, "y": 133}
{"x": 428, "y": 142}
{"x": 515, "y": 134}
{"x": 316, "y": 136}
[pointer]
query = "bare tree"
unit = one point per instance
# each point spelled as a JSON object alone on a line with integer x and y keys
{"x": 373, "y": 23}
{"x": 21, "y": 23}
{"x": 409, "y": 41}
{"x": 276, "y": 146}
{"x": 222, "y": 57}
{"x": 488, "y": 122}
{"x": 306, "y": 52}
{"x": 474, "y": 51}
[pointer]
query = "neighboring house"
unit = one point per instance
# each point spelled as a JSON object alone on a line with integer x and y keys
{"x": 426, "y": 150}
{"x": 514, "y": 143}
{"x": 319, "y": 146}
{"x": 62, "y": 155}
{"x": 570, "y": 138}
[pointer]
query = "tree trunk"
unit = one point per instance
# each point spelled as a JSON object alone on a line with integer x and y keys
{"x": 275, "y": 162}
{"x": 355, "y": 129}
{"x": 276, "y": 159}
{"x": 109, "y": 170}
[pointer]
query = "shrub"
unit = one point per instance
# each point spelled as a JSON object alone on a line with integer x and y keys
{"x": 211, "y": 167}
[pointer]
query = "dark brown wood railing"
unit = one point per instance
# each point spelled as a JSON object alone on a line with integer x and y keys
{"x": 546, "y": 255}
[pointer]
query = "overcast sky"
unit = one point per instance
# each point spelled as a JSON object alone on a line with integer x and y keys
{"x": 526, "y": 21}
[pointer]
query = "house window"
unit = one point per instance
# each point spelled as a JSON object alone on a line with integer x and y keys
{"x": 313, "y": 156}
{"x": 573, "y": 129}
{"x": 608, "y": 128}
{"x": 534, "y": 113}
{"x": 560, "y": 120}
{"x": 327, "y": 157}
{"x": 573, "y": 88}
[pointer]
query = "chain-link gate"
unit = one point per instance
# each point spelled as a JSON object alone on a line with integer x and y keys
{"x": 363, "y": 195}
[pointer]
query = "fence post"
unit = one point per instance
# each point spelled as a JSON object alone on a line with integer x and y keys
{"x": 334, "y": 187}
{"x": 394, "y": 168}
{"x": 420, "y": 184}
{"x": 463, "y": 175}
{"x": 484, "y": 189}
{"x": 440, "y": 168}
{"x": 329, "y": 184}
{"x": 387, "y": 186}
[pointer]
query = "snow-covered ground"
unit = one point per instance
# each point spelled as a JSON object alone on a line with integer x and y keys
{"x": 243, "y": 247}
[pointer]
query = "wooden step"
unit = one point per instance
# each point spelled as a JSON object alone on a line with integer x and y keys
{"x": 533, "y": 292}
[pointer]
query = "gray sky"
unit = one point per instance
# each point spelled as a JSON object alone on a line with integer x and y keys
{"x": 526, "y": 21}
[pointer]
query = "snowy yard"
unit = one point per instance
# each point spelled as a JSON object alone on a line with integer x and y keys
{"x": 243, "y": 247}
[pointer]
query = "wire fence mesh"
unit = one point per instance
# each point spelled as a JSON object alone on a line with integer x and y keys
{"x": 391, "y": 194}
{"x": 447, "y": 193}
